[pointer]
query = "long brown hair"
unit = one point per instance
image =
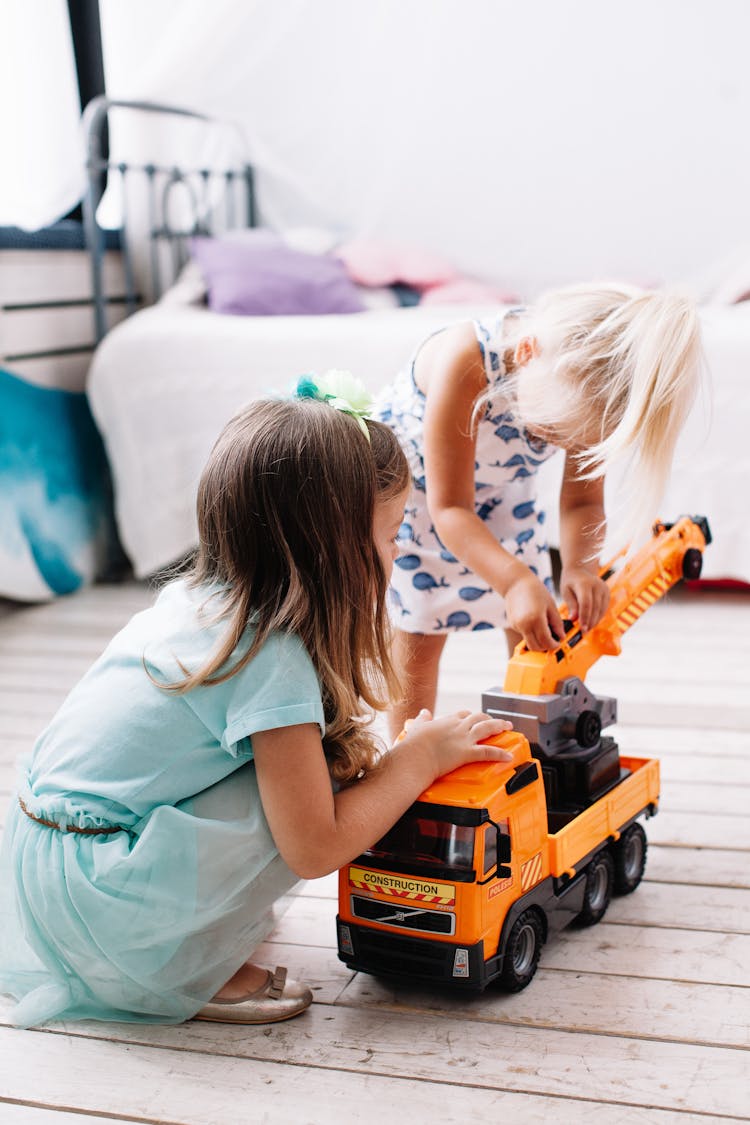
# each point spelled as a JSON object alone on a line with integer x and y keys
{"x": 285, "y": 517}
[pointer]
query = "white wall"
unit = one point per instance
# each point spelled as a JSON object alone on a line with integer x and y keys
{"x": 529, "y": 141}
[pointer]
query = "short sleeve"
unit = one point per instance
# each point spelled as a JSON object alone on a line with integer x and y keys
{"x": 278, "y": 688}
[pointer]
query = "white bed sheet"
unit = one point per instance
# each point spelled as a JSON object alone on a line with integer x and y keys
{"x": 163, "y": 383}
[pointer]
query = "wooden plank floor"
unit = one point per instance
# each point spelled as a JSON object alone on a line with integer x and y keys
{"x": 643, "y": 1018}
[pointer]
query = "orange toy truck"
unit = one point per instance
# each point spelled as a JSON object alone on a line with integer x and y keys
{"x": 468, "y": 884}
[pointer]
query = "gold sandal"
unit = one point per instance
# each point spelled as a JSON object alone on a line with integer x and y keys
{"x": 278, "y": 998}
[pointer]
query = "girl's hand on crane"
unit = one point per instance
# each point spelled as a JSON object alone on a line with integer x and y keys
{"x": 532, "y": 612}
{"x": 585, "y": 594}
{"x": 455, "y": 740}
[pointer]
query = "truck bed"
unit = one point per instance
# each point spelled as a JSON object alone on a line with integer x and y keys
{"x": 606, "y": 817}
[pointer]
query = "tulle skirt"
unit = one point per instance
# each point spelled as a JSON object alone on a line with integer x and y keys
{"x": 140, "y": 925}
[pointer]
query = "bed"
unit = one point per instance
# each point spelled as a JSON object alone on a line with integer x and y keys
{"x": 163, "y": 382}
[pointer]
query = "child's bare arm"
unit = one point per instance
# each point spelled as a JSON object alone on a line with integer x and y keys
{"x": 451, "y": 375}
{"x": 317, "y": 831}
{"x": 582, "y": 526}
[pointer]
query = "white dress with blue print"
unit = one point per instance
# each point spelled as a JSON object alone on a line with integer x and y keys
{"x": 431, "y": 590}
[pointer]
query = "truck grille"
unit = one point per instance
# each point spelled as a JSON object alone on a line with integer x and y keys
{"x": 406, "y": 917}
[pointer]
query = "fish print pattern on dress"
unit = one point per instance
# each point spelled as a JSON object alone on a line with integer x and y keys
{"x": 432, "y": 591}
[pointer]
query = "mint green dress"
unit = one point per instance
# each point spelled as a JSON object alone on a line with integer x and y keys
{"x": 147, "y": 923}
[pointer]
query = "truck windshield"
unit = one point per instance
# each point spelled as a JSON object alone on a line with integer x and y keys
{"x": 418, "y": 842}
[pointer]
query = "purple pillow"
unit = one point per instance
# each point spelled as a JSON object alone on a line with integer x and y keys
{"x": 264, "y": 277}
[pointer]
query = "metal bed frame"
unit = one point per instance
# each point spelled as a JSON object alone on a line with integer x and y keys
{"x": 235, "y": 206}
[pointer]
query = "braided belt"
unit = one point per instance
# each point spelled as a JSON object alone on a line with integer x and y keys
{"x": 70, "y": 827}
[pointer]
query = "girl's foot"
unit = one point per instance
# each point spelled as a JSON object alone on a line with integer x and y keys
{"x": 245, "y": 981}
{"x": 274, "y": 998}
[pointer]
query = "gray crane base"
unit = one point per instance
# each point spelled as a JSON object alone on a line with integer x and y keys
{"x": 549, "y": 721}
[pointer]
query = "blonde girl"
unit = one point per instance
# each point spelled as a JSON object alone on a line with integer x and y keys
{"x": 219, "y": 750}
{"x": 604, "y": 372}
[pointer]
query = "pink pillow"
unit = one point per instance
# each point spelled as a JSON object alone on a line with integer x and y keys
{"x": 465, "y": 291}
{"x": 375, "y": 262}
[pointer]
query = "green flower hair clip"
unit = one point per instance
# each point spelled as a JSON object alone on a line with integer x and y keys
{"x": 341, "y": 390}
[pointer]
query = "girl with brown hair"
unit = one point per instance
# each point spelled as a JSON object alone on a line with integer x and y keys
{"x": 219, "y": 749}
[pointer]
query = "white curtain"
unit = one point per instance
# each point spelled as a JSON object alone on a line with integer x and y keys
{"x": 526, "y": 142}
{"x": 41, "y": 149}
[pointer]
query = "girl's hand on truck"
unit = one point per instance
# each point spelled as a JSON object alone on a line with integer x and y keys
{"x": 455, "y": 740}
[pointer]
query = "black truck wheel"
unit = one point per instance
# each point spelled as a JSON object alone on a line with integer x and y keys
{"x": 600, "y": 876}
{"x": 630, "y": 859}
{"x": 522, "y": 951}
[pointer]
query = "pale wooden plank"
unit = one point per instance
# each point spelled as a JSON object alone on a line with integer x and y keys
{"x": 658, "y": 955}
{"x": 721, "y": 772}
{"x": 92, "y": 604}
{"x": 677, "y": 1011}
{"x": 647, "y": 951}
{"x": 684, "y": 907}
{"x": 720, "y": 909}
{"x": 17, "y": 1114}
{"x": 61, "y": 643}
{"x": 325, "y": 887}
{"x": 694, "y": 797}
{"x": 672, "y": 941}
{"x": 396, "y": 1043}
{"x": 701, "y": 830}
{"x": 682, "y": 742}
{"x": 710, "y": 867}
{"x": 209, "y": 1089}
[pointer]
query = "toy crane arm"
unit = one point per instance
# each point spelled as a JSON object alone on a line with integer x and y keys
{"x": 675, "y": 551}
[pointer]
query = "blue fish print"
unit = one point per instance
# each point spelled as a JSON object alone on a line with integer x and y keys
{"x": 424, "y": 581}
{"x": 541, "y": 517}
{"x": 406, "y": 534}
{"x": 485, "y": 510}
{"x": 457, "y": 620}
{"x": 481, "y": 625}
{"x": 408, "y": 562}
{"x": 507, "y": 433}
{"x": 521, "y": 473}
{"x": 521, "y": 511}
{"x": 446, "y": 556}
{"x": 524, "y": 536}
{"x": 471, "y": 593}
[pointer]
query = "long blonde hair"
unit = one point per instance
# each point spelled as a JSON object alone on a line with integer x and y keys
{"x": 285, "y": 519}
{"x": 617, "y": 373}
